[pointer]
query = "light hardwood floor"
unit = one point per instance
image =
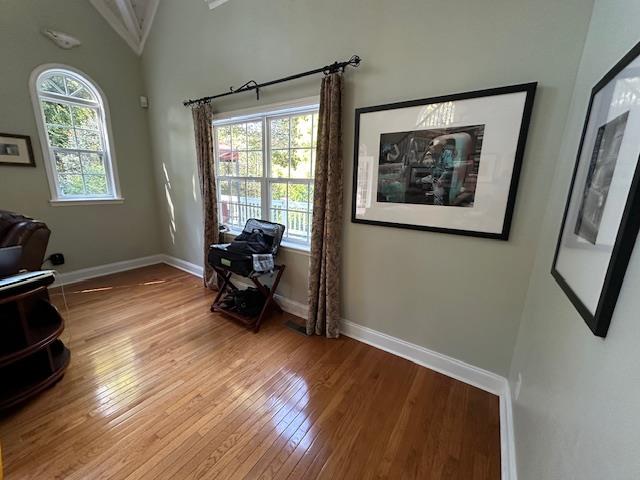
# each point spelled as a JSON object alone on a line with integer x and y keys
{"x": 159, "y": 387}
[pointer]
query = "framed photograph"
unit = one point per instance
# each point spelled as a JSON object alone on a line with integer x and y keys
{"x": 445, "y": 164}
{"x": 602, "y": 213}
{"x": 16, "y": 150}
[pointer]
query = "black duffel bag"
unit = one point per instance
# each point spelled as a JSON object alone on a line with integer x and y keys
{"x": 249, "y": 243}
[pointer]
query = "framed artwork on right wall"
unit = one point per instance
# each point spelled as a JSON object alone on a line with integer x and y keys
{"x": 602, "y": 213}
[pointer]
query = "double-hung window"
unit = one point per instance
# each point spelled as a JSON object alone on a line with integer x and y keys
{"x": 73, "y": 123}
{"x": 264, "y": 166}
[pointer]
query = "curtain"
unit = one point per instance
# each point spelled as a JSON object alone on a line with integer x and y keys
{"x": 202, "y": 123}
{"x": 326, "y": 229}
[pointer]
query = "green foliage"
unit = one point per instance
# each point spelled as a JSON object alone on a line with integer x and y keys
{"x": 71, "y": 184}
{"x": 96, "y": 184}
{"x": 61, "y": 118}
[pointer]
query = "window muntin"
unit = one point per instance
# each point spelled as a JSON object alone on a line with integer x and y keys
{"x": 75, "y": 130}
{"x": 265, "y": 168}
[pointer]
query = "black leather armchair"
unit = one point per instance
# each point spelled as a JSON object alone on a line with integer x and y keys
{"x": 31, "y": 235}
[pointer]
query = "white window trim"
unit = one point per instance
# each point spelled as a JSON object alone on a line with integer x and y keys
{"x": 47, "y": 154}
{"x": 270, "y": 110}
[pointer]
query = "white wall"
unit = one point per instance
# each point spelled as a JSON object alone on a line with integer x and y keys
{"x": 577, "y": 415}
{"x": 457, "y": 295}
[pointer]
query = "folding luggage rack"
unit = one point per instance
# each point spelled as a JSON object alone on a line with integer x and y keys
{"x": 226, "y": 262}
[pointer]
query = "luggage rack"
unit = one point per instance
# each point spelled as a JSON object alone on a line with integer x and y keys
{"x": 225, "y": 263}
{"x": 268, "y": 293}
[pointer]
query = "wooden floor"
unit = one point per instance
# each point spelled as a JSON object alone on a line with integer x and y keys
{"x": 158, "y": 387}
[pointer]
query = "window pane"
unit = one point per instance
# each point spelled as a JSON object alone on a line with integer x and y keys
{"x": 56, "y": 113}
{"x": 301, "y": 133}
{"x": 71, "y": 184}
{"x": 279, "y": 196}
{"x": 298, "y": 197}
{"x": 234, "y": 197}
{"x": 254, "y": 136}
{"x": 239, "y": 136}
{"x": 225, "y": 216}
{"x": 54, "y": 84}
{"x": 96, "y": 184}
{"x": 76, "y": 89}
{"x": 226, "y": 168}
{"x": 242, "y": 191}
{"x": 233, "y": 216}
{"x": 92, "y": 164}
{"x": 279, "y": 216}
{"x": 315, "y": 129}
{"x": 279, "y": 133}
{"x": 297, "y": 225}
{"x": 85, "y": 117}
{"x": 254, "y": 197}
{"x": 280, "y": 163}
{"x": 301, "y": 163}
{"x": 68, "y": 162}
{"x": 88, "y": 140}
{"x": 224, "y": 140}
{"x": 62, "y": 137}
{"x": 254, "y": 162}
{"x": 242, "y": 164}
{"x": 224, "y": 190}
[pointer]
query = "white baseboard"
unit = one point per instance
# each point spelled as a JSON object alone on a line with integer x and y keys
{"x": 425, "y": 357}
{"x": 451, "y": 367}
{"x": 183, "y": 265}
{"x": 75, "y": 276}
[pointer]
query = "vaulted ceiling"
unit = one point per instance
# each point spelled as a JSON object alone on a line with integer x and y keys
{"x": 132, "y": 19}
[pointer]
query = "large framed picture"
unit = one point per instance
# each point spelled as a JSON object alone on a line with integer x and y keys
{"x": 445, "y": 164}
{"x": 16, "y": 150}
{"x": 602, "y": 213}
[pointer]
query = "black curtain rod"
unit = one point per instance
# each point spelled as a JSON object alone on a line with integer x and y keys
{"x": 252, "y": 85}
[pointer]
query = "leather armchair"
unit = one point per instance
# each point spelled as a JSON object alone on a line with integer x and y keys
{"x": 31, "y": 235}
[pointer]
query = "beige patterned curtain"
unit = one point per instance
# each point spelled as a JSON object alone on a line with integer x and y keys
{"x": 324, "y": 271}
{"x": 202, "y": 123}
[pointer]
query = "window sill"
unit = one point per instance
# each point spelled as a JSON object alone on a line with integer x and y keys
{"x": 288, "y": 246}
{"x": 87, "y": 201}
{"x": 296, "y": 248}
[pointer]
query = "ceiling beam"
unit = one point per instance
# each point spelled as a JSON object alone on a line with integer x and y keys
{"x": 116, "y": 23}
{"x": 129, "y": 18}
{"x": 147, "y": 22}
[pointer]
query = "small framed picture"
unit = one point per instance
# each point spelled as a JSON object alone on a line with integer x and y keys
{"x": 446, "y": 164}
{"x": 602, "y": 213}
{"x": 16, "y": 150}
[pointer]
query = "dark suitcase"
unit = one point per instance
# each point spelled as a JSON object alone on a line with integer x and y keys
{"x": 238, "y": 263}
{"x": 242, "y": 264}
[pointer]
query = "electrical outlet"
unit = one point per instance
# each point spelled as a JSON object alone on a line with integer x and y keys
{"x": 57, "y": 259}
{"x": 516, "y": 390}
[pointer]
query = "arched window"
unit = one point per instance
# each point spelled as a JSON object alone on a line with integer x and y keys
{"x": 75, "y": 136}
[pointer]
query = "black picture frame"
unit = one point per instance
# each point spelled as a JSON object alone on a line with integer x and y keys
{"x": 27, "y": 140}
{"x": 528, "y": 88}
{"x": 627, "y": 234}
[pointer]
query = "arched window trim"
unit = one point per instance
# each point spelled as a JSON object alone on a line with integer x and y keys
{"x": 47, "y": 152}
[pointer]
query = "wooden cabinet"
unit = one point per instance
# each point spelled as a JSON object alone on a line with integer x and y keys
{"x": 32, "y": 357}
